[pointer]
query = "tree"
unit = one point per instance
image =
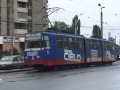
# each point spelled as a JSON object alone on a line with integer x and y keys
{"x": 76, "y": 24}
{"x": 15, "y": 51}
{"x": 96, "y": 33}
{"x": 79, "y": 25}
{"x": 60, "y": 26}
{"x": 6, "y": 52}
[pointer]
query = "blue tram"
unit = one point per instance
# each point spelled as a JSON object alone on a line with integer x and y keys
{"x": 108, "y": 51}
{"x": 93, "y": 50}
{"x": 49, "y": 49}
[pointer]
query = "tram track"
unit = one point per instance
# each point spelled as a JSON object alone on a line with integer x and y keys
{"x": 31, "y": 70}
{"x": 36, "y": 75}
{"x": 15, "y": 70}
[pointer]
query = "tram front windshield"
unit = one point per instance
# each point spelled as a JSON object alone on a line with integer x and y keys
{"x": 33, "y": 41}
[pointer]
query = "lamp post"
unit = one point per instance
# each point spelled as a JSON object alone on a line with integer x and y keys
{"x": 12, "y": 24}
{"x": 101, "y": 19}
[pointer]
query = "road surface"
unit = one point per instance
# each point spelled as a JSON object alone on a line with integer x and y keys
{"x": 92, "y": 78}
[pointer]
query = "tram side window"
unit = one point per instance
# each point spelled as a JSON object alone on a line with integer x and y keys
{"x": 79, "y": 43}
{"x": 74, "y": 44}
{"x": 59, "y": 41}
{"x": 105, "y": 45}
{"x": 33, "y": 44}
{"x": 110, "y": 46}
{"x": 91, "y": 44}
{"x": 65, "y": 42}
{"x": 88, "y": 44}
{"x": 98, "y": 45}
{"x": 46, "y": 42}
{"x": 95, "y": 44}
{"x": 70, "y": 43}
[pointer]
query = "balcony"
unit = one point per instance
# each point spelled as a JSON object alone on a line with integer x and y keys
{"x": 20, "y": 31}
{"x": 24, "y": 10}
{"x": 21, "y": 20}
{"x": 23, "y": 0}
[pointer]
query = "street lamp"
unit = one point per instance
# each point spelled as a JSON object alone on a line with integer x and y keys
{"x": 101, "y": 19}
{"x": 80, "y": 14}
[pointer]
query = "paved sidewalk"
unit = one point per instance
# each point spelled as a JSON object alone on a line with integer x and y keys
{"x": 14, "y": 70}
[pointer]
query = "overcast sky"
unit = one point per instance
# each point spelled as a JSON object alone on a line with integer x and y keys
{"x": 90, "y": 14}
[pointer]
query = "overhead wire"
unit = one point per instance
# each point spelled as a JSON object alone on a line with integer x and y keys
{"x": 97, "y": 12}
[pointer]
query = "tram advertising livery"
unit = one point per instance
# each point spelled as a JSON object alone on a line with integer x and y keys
{"x": 56, "y": 49}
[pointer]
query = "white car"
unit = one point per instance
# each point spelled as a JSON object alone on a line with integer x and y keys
{"x": 10, "y": 62}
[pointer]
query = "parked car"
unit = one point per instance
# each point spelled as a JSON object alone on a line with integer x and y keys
{"x": 10, "y": 62}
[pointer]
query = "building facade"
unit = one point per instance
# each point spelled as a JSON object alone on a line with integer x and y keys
{"x": 18, "y": 17}
{"x": 37, "y": 15}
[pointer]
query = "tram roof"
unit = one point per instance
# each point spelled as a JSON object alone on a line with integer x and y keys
{"x": 64, "y": 34}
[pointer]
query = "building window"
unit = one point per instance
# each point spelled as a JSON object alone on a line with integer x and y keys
{"x": 20, "y": 26}
{"x": 29, "y": 17}
{"x": 29, "y": 27}
{"x": 22, "y": 4}
{"x": 29, "y": 7}
{"x": 22, "y": 15}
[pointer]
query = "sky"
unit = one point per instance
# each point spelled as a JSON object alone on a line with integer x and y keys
{"x": 89, "y": 14}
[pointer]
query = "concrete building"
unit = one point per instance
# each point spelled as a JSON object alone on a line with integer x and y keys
{"x": 37, "y": 13}
{"x": 18, "y": 17}
{"x": 22, "y": 16}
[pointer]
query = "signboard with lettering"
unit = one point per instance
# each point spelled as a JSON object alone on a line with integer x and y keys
{"x": 32, "y": 53}
{"x": 94, "y": 55}
{"x": 70, "y": 56}
{"x": 8, "y": 39}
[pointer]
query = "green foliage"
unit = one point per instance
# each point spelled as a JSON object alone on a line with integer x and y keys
{"x": 15, "y": 51}
{"x": 63, "y": 27}
{"x": 8, "y": 52}
{"x": 60, "y": 26}
{"x": 76, "y": 24}
{"x": 96, "y": 33}
{"x": 1, "y": 51}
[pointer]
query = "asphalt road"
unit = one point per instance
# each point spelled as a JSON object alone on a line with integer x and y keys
{"x": 92, "y": 78}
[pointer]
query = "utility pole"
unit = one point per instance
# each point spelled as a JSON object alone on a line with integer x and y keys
{"x": 119, "y": 42}
{"x": 75, "y": 26}
{"x": 109, "y": 35}
{"x": 12, "y": 24}
{"x": 101, "y": 19}
{"x": 115, "y": 39}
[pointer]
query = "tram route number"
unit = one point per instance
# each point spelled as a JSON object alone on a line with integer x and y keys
{"x": 32, "y": 53}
